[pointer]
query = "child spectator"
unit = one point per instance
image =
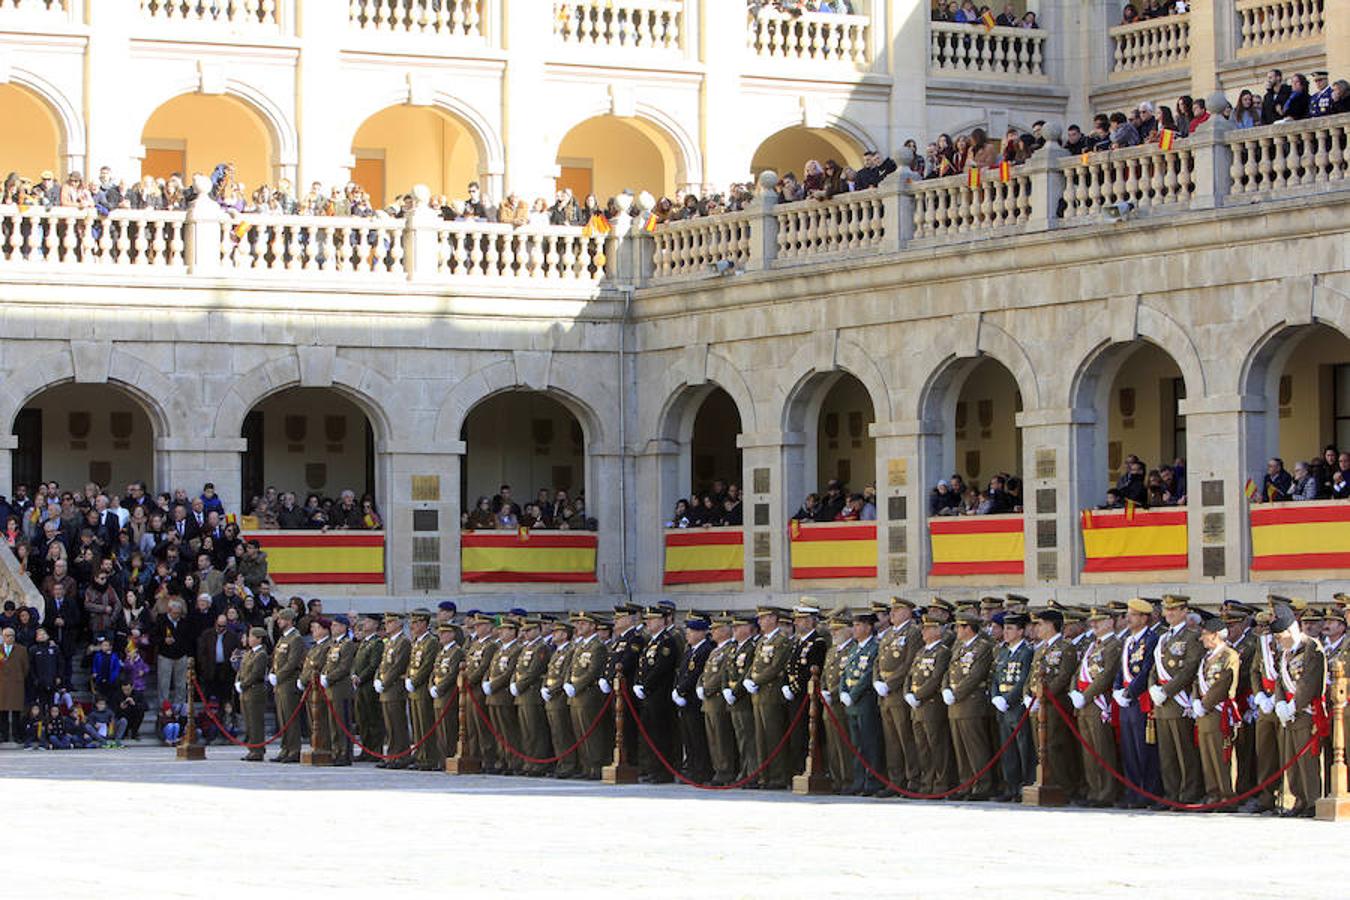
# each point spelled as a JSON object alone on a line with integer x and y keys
{"x": 105, "y": 670}
{"x": 131, "y": 710}
{"x": 34, "y": 728}
{"x": 106, "y": 725}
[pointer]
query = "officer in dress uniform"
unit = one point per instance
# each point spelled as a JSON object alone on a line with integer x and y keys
{"x": 1098, "y": 667}
{"x": 716, "y": 713}
{"x": 932, "y": 732}
{"x": 252, "y": 687}
{"x": 1176, "y": 657}
{"x": 528, "y": 676}
{"x": 336, "y": 679}
{"x": 808, "y": 651}
{"x": 1216, "y": 715}
{"x": 652, "y": 684}
{"x": 1301, "y": 708}
{"x": 287, "y": 659}
{"x": 316, "y": 709}
{"x": 551, "y": 692}
{"x": 839, "y": 758}
{"x": 965, "y": 690}
{"x": 369, "y": 719}
{"x": 1320, "y": 95}
{"x": 857, "y": 692}
{"x": 898, "y": 648}
{"x": 393, "y": 693}
{"x": 444, "y": 677}
{"x": 1052, "y": 670}
{"x": 1265, "y": 679}
{"x": 1138, "y": 746}
{"x": 1007, "y": 686}
{"x": 689, "y": 700}
{"x": 501, "y": 709}
{"x": 768, "y": 671}
{"x": 417, "y": 682}
{"x": 625, "y": 649}
{"x": 738, "y": 698}
{"x": 590, "y": 660}
{"x": 943, "y": 611}
{"x": 1242, "y": 638}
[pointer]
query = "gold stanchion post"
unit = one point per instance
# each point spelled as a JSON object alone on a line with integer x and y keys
{"x": 622, "y": 771}
{"x": 1335, "y": 806}
{"x": 463, "y": 762}
{"x": 320, "y": 752}
{"x": 1044, "y": 792}
{"x": 816, "y": 779}
{"x": 187, "y": 742}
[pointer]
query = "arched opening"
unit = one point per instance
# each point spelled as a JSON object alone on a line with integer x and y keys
{"x": 527, "y": 448}
{"x": 789, "y": 149}
{"x": 974, "y": 405}
{"x": 193, "y": 133}
{"x": 405, "y": 145}
{"x": 836, "y": 458}
{"x": 35, "y": 142}
{"x": 714, "y": 456}
{"x": 74, "y": 434}
{"x": 306, "y": 441}
{"x": 607, "y": 155}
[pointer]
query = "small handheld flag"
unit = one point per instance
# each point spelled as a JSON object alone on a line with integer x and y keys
{"x": 973, "y": 178}
{"x": 1086, "y": 159}
{"x": 1005, "y": 171}
{"x": 988, "y": 20}
{"x": 523, "y": 532}
{"x": 650, "y": 225}
{"x": 1087, "y": 520}
{"x": 1165, "y": 138}
{"x": 1250, "y": 489}
{"x": 1130, "y": 507}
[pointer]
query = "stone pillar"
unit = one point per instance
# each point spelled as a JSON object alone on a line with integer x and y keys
{"x": 420, "y": 237}
{"x": 763, "y": 230}
{"x": 531, "y": 168}
{"x": 774, "y": 484}
{"x": 1213, "y": 159}
{"x": 719, "y": 40}
{"x": 112, "y": 137}
{"x": 190, "y": 462}
{"x": 1336, "y": 37}
{"x": 1053, "y": 493}
{"x": 1208, "y": 45}
{"x": 613, "y": 511}
{"x": 204, "y": 232}
{"x": 902, "y": 509}
{"x": 1047, "y": 186}
{"x": 8, "y": 444}
{"x": 900, "y": 48}
{"x": 658, "y": 471}
{"x": 1077, "y": 49}
{"x": 897, "y": 213}
{"x": 420, "y": 502}
{"x": 1218, "y": 536}
{"x": 322, "y": 31}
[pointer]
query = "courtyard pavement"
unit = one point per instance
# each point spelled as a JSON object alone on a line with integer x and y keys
{"x": 138, "y": 822}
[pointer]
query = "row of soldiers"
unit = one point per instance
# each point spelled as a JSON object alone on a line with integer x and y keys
{"x": 1193, "y": 706}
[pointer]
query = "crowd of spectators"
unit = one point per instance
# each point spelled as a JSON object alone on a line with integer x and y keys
{"x": 714, "y": 507}
{"x": 550, "y": 510}
{"x": 1148, "y": 488}
{"x": 837, "y": 504}
{"x": 1325, "y": 477}
{"x": 955, "y": 497}
{"x": 967, "y": 13}
{"x": 1152, "y": 9}
{"x": 281, "y": 510}
{"x": 797, "y": 7}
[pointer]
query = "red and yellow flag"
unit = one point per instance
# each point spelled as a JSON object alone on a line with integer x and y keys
{"x": 1165, "y": 138}
{"x": 241, "y": 230}
{"x": 335, "y": 557}
{"x": 1087, "y": 520}
{"x": 1005, "y": 171}
{"x": 1140, "y": 541}
{"x": 650, "y": 225}
{"x": 1130, "y": 507}
{"x": 973, "y": 178}
{"x": 1086, "y": 158}
{"x": 945, "y": 167}
{"x": 988, "y": 20}
{"x": 1250, "y": 490}
{"x": 1300, "y": 537}
{"x": 523, "y": 532}
{"x": 704, "y": 555}
{"x": 597, "y": 224}
{"x": 834, "y": 550}
{"x": 977, "y": 545}
{"x": 500, "y": 557}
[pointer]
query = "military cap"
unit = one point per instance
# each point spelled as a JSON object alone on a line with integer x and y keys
{"x": 1342, "y": 599}
{"x": 624, "y": 609}
{"x": 744, "y": 617}
{"x": 1117, "y": 607}
{"x": 322, "y": 621}
{"x": 932, "y": 621}
{"x": 839, "y": 617}
{"x": 341, "y": 619}
{"x": 1314, "y": 614}
{"x": 446, "y": 626}
{"x": 1098, "y": 613}
{"x": 1053, "y": 616}
{"x": 1233, "y": 614}
{"x": 448, "y": 606}
{"x": 968, "y": 617}
{"x": 1281, "y": 619}
{"x": 901, "y": 602}
{"x": 1319, "y": 73}
{"x": 420, "y": 613}
{"x": 941, "y": 604}
{"x": 1139, "y": 605}
{"x": 287, "y": 613}
{"x": 582, "y": 615}
{"x": 878, "y": 607}
{"x": 1273, "y": 599}
{"x": 697, "y": 624}
{"x": 998, "y": 617}
{"x": 1298, "y": 604}
{"x": 991, "y": 603}
{"x": 511, "y": 622}
{"x": 767, "y": 610}
{"x": 667, "y": 604}
{"x": 655, "y": 612}
{"x": 968, "y": 607}
{"x": 1176, "y": 601}
{"x": 517, "y": 611}
{"x": 531, "y": 622}
{"x": 1052, "y": 603}
{"x": 1263, "y": 617}
{"x": 1214, "y": 625}
{"x": 1016, "y": 619}
{"x": 864, "y": 617}
{"x": 1074, "y": 614}
{"x": 393, "y": 617}
{"x": 562, "y": 624}
{"x": 806, "y": 609}
{"x": 1014, "y": 601}
{"x": 259, "y": 633}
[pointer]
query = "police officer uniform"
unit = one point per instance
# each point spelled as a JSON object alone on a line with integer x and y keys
{"x": 687, "y": 697}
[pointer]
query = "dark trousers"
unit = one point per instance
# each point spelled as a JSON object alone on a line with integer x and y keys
{"x": 658, "y": 718}
{"x": 11, "y": 726}
{"x": 694, "y": 737}
{"x": 1019, "y": 760}
{"x": 864, "y": 730}
{"x": 1139, "y": 757}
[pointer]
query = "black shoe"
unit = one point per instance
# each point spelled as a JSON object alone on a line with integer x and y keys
{"x": 251, "y": 757}
{"x": 886, "y": 794}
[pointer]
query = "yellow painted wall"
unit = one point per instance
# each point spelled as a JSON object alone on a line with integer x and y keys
{"x": 713, "y": 446}
{"x": 63, "y": 457}
{"x": 1148, "y": 435}
{"x": 846, "y": 396}
{"x": 503, "y": 447}
{"x": 789, "y": 149}
{"x": 420, "y": 146}
{"x": 32, "y": 139}
{"x": 620, "y": 155}
{"x": 1307, "y": 421}
{"x": 215, "y": 129}
{"x": 285, "y": 461}
{"x": 999, "y": 445}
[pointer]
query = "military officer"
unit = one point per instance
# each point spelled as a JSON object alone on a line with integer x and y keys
{"x": 857, "y": 691}
{"x": 444, "y": 677}
{"x": 1138, "y": 745}
{"x": 1242, "y": 638}
{"x": 501, "y": 708}
{"x": 1334, "y": 647}
{"x": 316, "y": 708}
{"x": 389, "y": 678}
{"x": 561, "y": 735}
{"x": 716, "y": 713}
{"x": 738, "y": 699}
{"x": 287, "y": 659}
{"x": 765, "y": 681}
{"x": 838, "y": 756}
{"x": 966, "y": 693}
{"x": 526, "y": 679}
{"x": 417, "y": 682}
{"x": 1216, "y": 714}
{"x": 369, "y": 719}
{"x": 445, "y": 614}
{"x": 894, "y": 659}
{"x": 1007, "y": 686}
{"x": 252, "y": 687}
{"x": 336, "y": 678}
{"x": 688, "y": 698}
{"x": 1052, "y": 671}
{"x": 477, "y": 661}
{"x": 1018, "y": 604}
{"x": 989, "y": 606}
{"x": 943, "y": 611}
{"x": 1176, "y": 657}
{"x": 1300, "y": 709}
{"x": 932, "y": 732}
{"x": 1091, "y": 697}
{"x": 590, "y": 660}
{"x": 808, "y": 651}
{"x": 653, "y": 680}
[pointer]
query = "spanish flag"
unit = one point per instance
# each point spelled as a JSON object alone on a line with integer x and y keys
{"x": 1165, "y": 138}
{"x": 241, "y": 230}
{"x": 1087, "y": 520}
{"x": 1086, "y": 158}
{"x": 523, "y": 532}
{"x": 795, "y": 528}
{"x": 703, "y": 556}
{"x": 973, "y": 178}
{"x": 1250, "y": 490}
{"x": 833, "y": 550}
{"x": 988, "y": 20}
{"x": 1130, "y": 507}
{"x": 650, "y": 225}
{"x": 1271, "y": 491}
{"x": 945, "y": 167}
{"x": 598, "y": 224}
{"x": 1005, "y": 171}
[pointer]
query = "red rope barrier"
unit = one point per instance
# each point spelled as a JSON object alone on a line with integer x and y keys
{"x": 482, "y": 714}
{"x": 295, "y": 714}
{"x": 388, "y": 756}
{"x": 1189, "y": 807}
{"x": 843, "y": 736}
{"x": 773, "y": 754}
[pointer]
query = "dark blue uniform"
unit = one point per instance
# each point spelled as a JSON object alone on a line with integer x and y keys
{"x": 1139, "y": 757}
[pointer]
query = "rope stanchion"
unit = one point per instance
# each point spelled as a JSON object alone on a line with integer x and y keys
{"x": 1173, "y": 804}
{"x": 537, "y": 760}
{"x": 388, "y": 756}
{"x": 211, "y": 717}
{"x": 622, "y": 770}
{"x": 187, "y": 746}
{"x": 843, "y": 736}
{"x": 773, "y": 754}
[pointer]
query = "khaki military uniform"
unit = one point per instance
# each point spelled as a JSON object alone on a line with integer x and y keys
{"x": 1215, "y": 687}
{"x": 1176, "y": 658}
{"x": 1244, "y": 745}
{"x": 444, "y": 679}
{"x": 421, "y": 661}
{"x": 1097, "y": 672}
{"x": 1265, "y": 679}
{"x": 838, "y": 757}
{"x": 967, "y": 677}
{"x": 501, "y": 707}
{"x": 740, "y": 708}
{"x": 716, "y": 715}
{"x": 899, "y": 645}
{"x": 316, "y": 708}
{"x": 589, "y": 660}
{"x": 932, "y": 732}
{"x": 531, "y": 666}
{"x": 337, "y": 671}
{"x": 561, "y": 735}
{"x": 1053, "y": 667}
{"x": 1303, "y": 679}
{"x": 253, "y": 697}
{"x": 394, "y": 698}
{"x": 369, "y": 719}
{"x": 287, "y": 659}
{"x": 767, "y": 671}
{"x": 477, "y": 659}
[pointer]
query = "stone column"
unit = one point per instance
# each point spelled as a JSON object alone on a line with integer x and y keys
{"x": 1208, "y": 45}
{"x": 763, "y": 230}
{"x": 322, "y": 32}
{"x": 531, "y": 168}
{"x": 1055, "y": 487}
{"x": 190, "y": 462}
{"x": 720, "y": 44}
{"x": 1218, "y": 538}
{"x": 8, "y": 444}
{"x": 900, "y": 48}
{"x": 1336, "y": 37}
{"x": 774, "y": 482}
{"x": 658, "y": 471}
{"x": 112, "y": 138}
{"x": 617, "y": 532}
{"x": 420, "y": 502}
{"x": 902, "y": 509}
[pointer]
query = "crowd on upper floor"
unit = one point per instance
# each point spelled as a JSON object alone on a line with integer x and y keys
{"x": 967, "y": 13}
{"x": 1324, "y": 477}
{"x": 554, "y": 510}
{"x": 953, "y": 496}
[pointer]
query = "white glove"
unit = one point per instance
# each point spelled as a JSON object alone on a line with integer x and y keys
{"x": 1158, "y": 694}
{"x": 826, "y": 695}
{"x": 1285, "y": 710}
{"x": 1036, "y": 705}
{"x": 272, "y": 678}
{"x": 678, "y": 700}
{"x": 1077, "y": 699}
{"x": 1122, "y": 698}
{"x": 881, "y": 689}
{"x": 1000, "y": 703}
{"x": 750, "y": 686}
{"x": 1267, "y": 704}
{"x": 699, "y": 690}
{"x": 639, "y": 692}
{"x": 546, "y": 694}
{"x": 604, "y": 686}
{"x": 845, "y": 699}
{"x": 729, "y": 695}
{"x": 299, "y": 685}
{"x": 408, "y": 685}
{"x": 948, "y": 697}
{"x": 379, "y": 686}
{"x": 1197, "y": 709}
{"x": 1252, "y": 703}
{"x": 515, "y": 691}
{"x": 569, "y": 689}
{"x": 487, "y": 688}
{"x": 238, "y": 687}
{"x": 323, "y": 680}
{"x": 787, "y": 693}
{"x": 912, "y": 700}
{"x": 434, "y": 693}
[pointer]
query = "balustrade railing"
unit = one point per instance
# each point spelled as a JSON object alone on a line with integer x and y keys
{"x": 850, "y": 223}
{"x": 448, "y": 18}
{"x": 960, "y": 49}
{"x": 1295, "y": 157}
{"x": 636, "y": 24}
{"x": 240, "y": 13}
{"x": 35, "y": 7}
{"x": 64, "y": 235}
{"x": 950, "y": 206}
{"x": 1269, "y": 24}
{"x": 1146, "y": 178}
{"x": 821, "y": 37}
{"x": 697, "y": 246}
{"x": 537, "y": 254}
{"x": 314, "y": 244}
{"x": 1151, "y": 44}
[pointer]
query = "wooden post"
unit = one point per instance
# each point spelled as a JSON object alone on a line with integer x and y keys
{"x": 318, "y": 754}
{"x": 1335, "y": 806}
{"x": 1045, "y": 792}
{"x": 187, "y": 741}
{"x": 622, "y": 771}
{"x": 463, "y": 762}
{"x": 816, "y": 779}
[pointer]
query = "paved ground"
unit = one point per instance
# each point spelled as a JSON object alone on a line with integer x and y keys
{"x": 140, "y": 823}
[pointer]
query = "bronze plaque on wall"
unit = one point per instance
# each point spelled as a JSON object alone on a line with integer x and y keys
{"x": 1211, "y": 492}
{"x": 897, "y": 471}
{"x": 762, "y": 548}
{"x": 426, "y": 488}
{"x": 1045, "y": 462}
{"x": 760, "y": 478}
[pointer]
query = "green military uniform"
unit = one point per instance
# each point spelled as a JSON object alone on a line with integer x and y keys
{"x": 287, "y": 658}
{"x": 838, "y": 759}
{"x": 1244, "y": 744}
{"x": 1007, "y": 689}
{"x": 252, "y": 686}
{"x": 1176, "y": 657}
{"x": 444, "y": 679}
{"x": 1053, "y": 667}
{"x": 899, "y": 645}
{"x": 1216, "y": 715}
{"x": 1303, "y": 676}
{"x": 1091, "y": 696}
{"x": 316, "y": 708}
{"x": 394, "y": 695}
{"x": 417, "y": 682}
{"x": 531, "y": 666}
{"x": 369, "y": 719}
{"x": 966, "y": 688}
{"x": 932, "y": 732}
{"x": 716, "y": 713}
{"x": 1265, "y": 679}
{"x": 477, "y": 659}
{"x": 590, "y": 657}
{"x": 857, "y": 692}
{"x": 561, "y": 735}
{"x": 739, "y": 706}
{"x": 501, "y": 707}
{"x": 767, "y": 672}
{"x": 337, "y": 676}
